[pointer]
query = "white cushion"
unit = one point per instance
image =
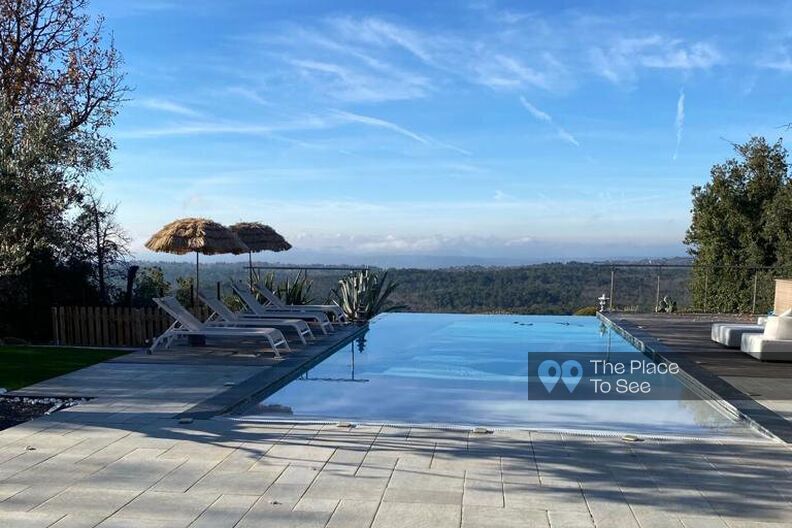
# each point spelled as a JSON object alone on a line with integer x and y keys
{"x": 779, "y": 328}
{"x": 764, "y": 349}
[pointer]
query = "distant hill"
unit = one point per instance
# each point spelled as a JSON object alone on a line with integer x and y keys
{"x": 540, "y": 288}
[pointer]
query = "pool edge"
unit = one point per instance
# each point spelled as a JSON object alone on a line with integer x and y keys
{"x": 264, "y": 383}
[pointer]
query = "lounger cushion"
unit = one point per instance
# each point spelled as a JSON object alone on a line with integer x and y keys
{"x": 730, "y": 335}
{"x": 764, "y": 349}
{"x": 779, "y": 328}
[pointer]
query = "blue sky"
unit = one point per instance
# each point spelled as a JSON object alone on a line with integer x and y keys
{"x": 521, "y": 130}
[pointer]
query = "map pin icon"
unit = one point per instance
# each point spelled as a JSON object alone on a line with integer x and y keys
{"x": 571, "y": 373}
{"x": 549, "y": 372}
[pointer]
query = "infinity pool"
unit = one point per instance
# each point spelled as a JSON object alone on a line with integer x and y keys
{"x": 472, "y": 370}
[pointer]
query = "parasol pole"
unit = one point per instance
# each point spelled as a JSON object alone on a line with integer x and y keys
{"x": 250, "y": 268}
{"x": 197, "y": 281}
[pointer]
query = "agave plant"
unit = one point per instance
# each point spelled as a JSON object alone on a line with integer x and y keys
{"x": 363, "y": 294}
{"x": 297, "y": 291}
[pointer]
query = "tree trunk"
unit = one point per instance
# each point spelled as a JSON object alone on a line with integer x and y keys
{"x": 99, "y": 255}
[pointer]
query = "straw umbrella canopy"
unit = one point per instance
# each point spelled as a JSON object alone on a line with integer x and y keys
{"x": 259, "y": 237}
{"x": 199, "y": 235}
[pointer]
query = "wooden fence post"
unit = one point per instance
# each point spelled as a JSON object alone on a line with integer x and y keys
{"x": 54, "y": 312}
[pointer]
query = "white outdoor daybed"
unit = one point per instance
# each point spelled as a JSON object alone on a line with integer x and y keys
{"x": 186, "y": 324}
{"x": 730, "y": 334}
{"x": 224, "y": 317}
{"x": 774, "y": 344}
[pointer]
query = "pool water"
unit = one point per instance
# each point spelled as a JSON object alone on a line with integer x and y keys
{"x": 472, "y": 370}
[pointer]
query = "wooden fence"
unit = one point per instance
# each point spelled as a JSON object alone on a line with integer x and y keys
{"x": 111, "y": 326}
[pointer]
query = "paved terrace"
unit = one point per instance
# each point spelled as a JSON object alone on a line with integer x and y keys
{"x": 760, "y": 390}
{"x": 128, "y": 459}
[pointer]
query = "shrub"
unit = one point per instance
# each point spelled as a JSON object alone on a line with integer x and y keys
{"x": 363, "y": 294}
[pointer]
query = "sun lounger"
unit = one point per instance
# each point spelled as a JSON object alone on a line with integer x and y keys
{"x": 277, "y": 304}
{"x": 186, "y": 324}
{"x": 257, "y": 310}
{"x": 223, "y": 316}
{"x": 774, "y": 344}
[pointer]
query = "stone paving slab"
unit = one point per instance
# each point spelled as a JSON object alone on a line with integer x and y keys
{"x": 353, "y": 513}
{"x": 397, "y": 515}
{"x": 168, "y": 480}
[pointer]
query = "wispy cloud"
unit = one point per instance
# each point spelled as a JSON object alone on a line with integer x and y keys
{"x": 381, "y": 123}
{"x": 165, "y": 105}
{"x": 777, "y": 58}
{"x": 141, "y": 7}
{"x": 195, "y": 128}
{"x": 370, "y": 59}
{"x": 360, "y": 84}
{"x": 248, "y": 94}
{"x": 620, "y": 61}
{"x": 500, "y": 196}
{"x": 679, "y": 122}
{"x": 378, "y": 31}
{"x": 538, "y": 114}
{"x": 388, "y": 125}
{"x": 563, "y": 134}
{"x": 503, "y": 71}
{"x": 782, "y": 64}
{"x": 328, "y": 120}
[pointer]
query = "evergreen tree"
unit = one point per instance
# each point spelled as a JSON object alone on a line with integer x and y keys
{"x": 740, "y": 222}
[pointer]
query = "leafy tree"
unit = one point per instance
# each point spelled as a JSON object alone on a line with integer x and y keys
{"x": 150, "y": 283}
{"x": 60, "y": 87}
{"x": 185, "y": 291}
{"x": 740, "y": 219}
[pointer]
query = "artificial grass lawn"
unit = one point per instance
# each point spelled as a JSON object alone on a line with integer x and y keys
{"x": 23, "y": 365}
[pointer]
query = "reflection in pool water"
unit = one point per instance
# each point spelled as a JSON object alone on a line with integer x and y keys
{"x": 472, "y": 370}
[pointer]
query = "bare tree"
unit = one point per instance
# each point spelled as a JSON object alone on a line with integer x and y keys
{"x": 51, "y": 54}
{"x": 104, "y": 242}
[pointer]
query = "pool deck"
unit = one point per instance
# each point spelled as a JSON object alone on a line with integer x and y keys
{"x": 762, "y": 391}
{"x": 149, "y": 451}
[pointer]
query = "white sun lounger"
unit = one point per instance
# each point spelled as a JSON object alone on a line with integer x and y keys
{"x": 277, "y": 304}
{"x": 186, "y": 324}
{"x": 258, "y": 311}
{"x": 224, "y": 317}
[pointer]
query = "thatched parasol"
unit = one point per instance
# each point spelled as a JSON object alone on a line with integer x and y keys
{"x": 259, "y": 237}
{"x": 196, "y": 234}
